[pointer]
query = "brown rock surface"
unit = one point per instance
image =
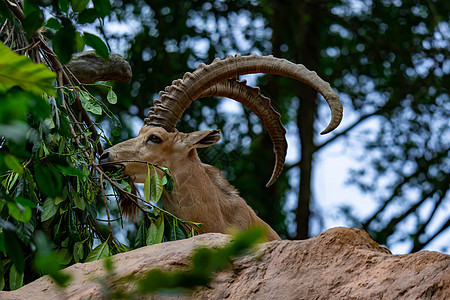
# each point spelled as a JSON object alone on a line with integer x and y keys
{"x": 88, "y": 67}
{"x": 340, "y": 263}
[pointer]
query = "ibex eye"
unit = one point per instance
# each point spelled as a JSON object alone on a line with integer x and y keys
{"x": 154, "y": 139}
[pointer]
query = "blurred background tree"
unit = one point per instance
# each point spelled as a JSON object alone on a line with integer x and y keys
{"x": 387, "y": 59}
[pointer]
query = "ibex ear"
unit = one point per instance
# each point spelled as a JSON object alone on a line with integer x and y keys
{"x": 204, "y": 138}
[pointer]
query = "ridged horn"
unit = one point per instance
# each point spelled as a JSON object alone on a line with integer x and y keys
{"x": 261, "y": 107}
{"x": 173, "y": 101}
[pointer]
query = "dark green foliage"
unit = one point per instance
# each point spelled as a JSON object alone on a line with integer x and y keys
{"x": 54, "y": 198}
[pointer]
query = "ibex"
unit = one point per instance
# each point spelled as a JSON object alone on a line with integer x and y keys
{"x": 202, "y": 194}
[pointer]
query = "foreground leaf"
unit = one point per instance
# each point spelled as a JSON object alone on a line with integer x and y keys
{"x": 19, "y": 70}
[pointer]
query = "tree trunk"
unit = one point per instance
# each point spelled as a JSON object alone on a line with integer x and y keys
{"x": 308, "y": 16}
{"x": 302, "y": 19}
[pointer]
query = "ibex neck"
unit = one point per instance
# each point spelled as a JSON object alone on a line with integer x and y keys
{"x": 195, "y": 196}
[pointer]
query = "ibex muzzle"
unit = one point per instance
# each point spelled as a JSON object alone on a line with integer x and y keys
{"x": 202, "y": 194}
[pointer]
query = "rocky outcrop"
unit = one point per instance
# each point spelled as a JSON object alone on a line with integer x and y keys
{"x": 340, "y": 263}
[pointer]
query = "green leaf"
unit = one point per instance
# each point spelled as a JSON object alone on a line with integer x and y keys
{"x": 18, "y": 70}
{"x": 49, "y": 180}
{"x": 112, "y": 97}
{"x": 89, "y": 104}
{"x": 147, "y": 184}
{"x": 176, "y": 233}
{"x": 122, "y": 248}
{"x": 169, "y": 185}
{"x": 155, "y": 232}
{"x": 53, "y": 23}
{"x": 2, "y": 282}
{"x": 79, "y": 41}
{"x": 103, "y": 7}
{"x": 26, "y": 230}
{"x": 63, "y": 5}
{"x": 99, "y": 252}
{"x": 164, "y": 179}
{"x": 156, "y": 186}
{"x": 78, "y": 251}
{"x": 95, "y": 42}
{"x": 64, "y": 256}
{"x": 48, "y": 263}
{"x": 40, "y": 107}
{"x": 50, "y": 210}
{"x": 15, "y": 278}
{"x": 79, "y": 202}
{"x": 2, "y": 242}
{"x": 12, "y": 163}
{"x": 19, "y": 212}
{"x": 79, "y": 5}
{"x": 87, "y": 16}
{"x": 14, "y": 250}
{"x": 71, "y": 171}
{"x": 58, "y": 200}
{"x": 33, "y": 21}
{"x": 108, "y": 264}
{"x": 46, "y": 260}
{"x": 64, "y": 41}
{"x": 116, "y": 131}
{"x": 140, "y": 240}
{"x": 6, "y": 12}
{"x": 25, "y": 202}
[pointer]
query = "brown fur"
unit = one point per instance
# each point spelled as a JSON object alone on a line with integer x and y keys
{"x": 201, "y": 193}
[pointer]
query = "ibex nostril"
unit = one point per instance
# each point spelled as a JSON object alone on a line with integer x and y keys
{"x": 104, "y": 158}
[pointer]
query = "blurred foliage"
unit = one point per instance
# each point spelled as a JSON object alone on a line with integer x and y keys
{"x": 203, "y": 264}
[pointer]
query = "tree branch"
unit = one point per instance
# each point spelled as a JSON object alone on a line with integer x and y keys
{"x": 349, "y": 128}
{"x": 420, "y": 246}
{"x": 340, "y": 134}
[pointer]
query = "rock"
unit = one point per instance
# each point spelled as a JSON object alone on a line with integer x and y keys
{"x": 88, "y": 67}
{"x": 340, "y": 263}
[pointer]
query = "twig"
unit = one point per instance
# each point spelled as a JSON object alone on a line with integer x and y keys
{"x": 106, "y": 204}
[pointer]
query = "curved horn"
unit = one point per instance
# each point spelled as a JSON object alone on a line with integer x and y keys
{"x": 174, "y": 100}
{"x": 260, "y": 106}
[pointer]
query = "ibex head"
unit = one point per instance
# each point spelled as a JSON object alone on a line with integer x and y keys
{"x": 160, "y": 147}
{"x": 160, "y": 143}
